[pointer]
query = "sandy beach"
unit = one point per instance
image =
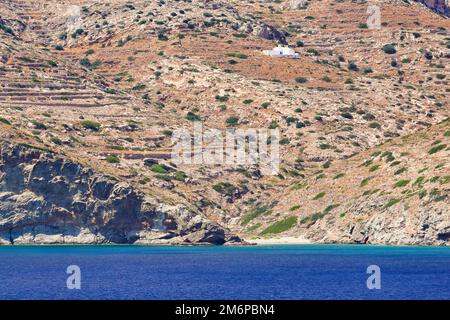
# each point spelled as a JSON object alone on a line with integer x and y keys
{"x": 282, "y": 240}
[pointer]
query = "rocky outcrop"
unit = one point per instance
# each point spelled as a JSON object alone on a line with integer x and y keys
{"x": 294, "y": 4}
{"x": 48, "y": 199}
{"x": 270, "y": 33}
{"x": 368, "y": 222}
{"x": 440, "y": 6}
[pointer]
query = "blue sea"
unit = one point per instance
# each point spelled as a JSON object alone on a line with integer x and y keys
{"x": 256, "y": 272}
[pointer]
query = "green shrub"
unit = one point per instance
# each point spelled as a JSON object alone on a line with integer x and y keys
{"x": 164, "y": 177}
{"x": 91, "y": 125}
{"x": 362, "y": 25}
{"x": 225, "y": 188}
{"x": 347, "y": 115}
{"x": 419, "y": 181}
{"x": 6, "y": 29}
{"x": 85, "y": 62}
{"x": 374, "y": 125}
{"x": 167, "y": 133}
{"x": 290, "y": 120}
{"x": 56, "y": 140}
{"x": 395, "y": 163}
{"x": 77, "y": 33}
{"x": 191, "y": 116}
{"x": 400, "y": 171}
{"x": 273, "y": 124}
{"x": 437, "y": 148}
{"x": 112, "y": 159}
{"x": 313, "y": 51}
{"x": 162, "y": 37}
{"x": 434, "y": 179}
{"x": 365, "y": 182}
{"x": 301, "y": 80}
{"x": 338, "y": 176}
{"x": 253, "y": 214}
{"x": 330, "y": 208}
{"x": 232, "y": 121}
{"x": 280, "y": 226}
{"x": 401, "y": 183}
{"x": 144, "y": 180}
{"x": 222, "y": 98}
{"x": 39, "y": 125}
{"x": 254, "y": 227}
{"x": 300, "y": 125}
{"x": 319, "y": 196}
{"x": 139, "y": 87}
{"x": 26, "y": 145}
{"x": 352, "y": 66}
{"x": 391, "y": 203}
{"x": 324, "y": 146}
{"x": 3, "y": 120}
{"x": 158, "y": 168}
{"x": 389, "y": 49}
{"x": 239, "y": 35}
{"x": 180, "y": 176}
{"x": 238, "y": 55}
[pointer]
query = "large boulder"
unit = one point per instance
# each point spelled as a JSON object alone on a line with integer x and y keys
{"x": 268, "y": 32}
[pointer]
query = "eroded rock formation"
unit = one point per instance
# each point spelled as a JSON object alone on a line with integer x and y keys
{"x": 47, "y": 199}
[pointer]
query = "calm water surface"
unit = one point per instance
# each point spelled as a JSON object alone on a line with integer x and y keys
{"x": 259, "y": 272}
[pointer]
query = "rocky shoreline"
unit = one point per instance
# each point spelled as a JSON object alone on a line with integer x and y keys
{"x": 48, "y": 200}
{"x": 45, "y": 199}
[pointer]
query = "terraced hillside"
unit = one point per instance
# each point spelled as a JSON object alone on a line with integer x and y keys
{"x": 106, "y": 84}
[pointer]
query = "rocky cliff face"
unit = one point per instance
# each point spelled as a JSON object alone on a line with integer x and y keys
{"x": 440, "y": 6}
{"x": 46, "y": 199}
{"x": 424, "y": 223}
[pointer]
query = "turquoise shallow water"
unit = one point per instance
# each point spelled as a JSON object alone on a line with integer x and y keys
{"x": 257, "y": 272}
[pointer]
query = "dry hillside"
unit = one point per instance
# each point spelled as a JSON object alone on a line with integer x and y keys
{"x": 105, "y": 84}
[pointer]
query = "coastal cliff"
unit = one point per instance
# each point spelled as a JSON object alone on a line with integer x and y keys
{"x": 45, "y": 199}
{"x": 440, "y": 6}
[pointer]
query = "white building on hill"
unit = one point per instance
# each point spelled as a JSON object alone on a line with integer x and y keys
{"x": 282, "y": 52}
